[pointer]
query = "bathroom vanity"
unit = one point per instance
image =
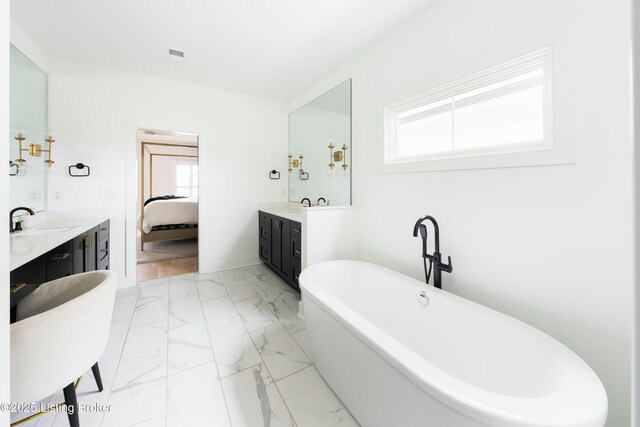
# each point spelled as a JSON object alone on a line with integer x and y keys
{"x": 280, "y": 244}
{"x": 56, "y": 248}
{"x": 293, "y": 237}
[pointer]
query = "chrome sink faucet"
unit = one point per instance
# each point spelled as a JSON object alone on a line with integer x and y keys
{"x": 18, "y": 226}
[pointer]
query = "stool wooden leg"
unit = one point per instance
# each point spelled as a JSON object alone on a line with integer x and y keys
{"x": 71, "y": 401}
{"x": 96, "y": 375}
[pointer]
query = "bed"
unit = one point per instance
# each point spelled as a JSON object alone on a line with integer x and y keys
{"x": 168, "y": 218}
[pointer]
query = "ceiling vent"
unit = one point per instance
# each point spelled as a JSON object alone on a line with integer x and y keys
{"x": 176, "y": 55}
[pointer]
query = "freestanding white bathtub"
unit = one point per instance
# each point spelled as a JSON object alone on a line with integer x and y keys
{"x": 395, "y": 360}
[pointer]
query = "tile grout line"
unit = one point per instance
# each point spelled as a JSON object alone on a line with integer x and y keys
{"x": 166, "y": 382}
{"x": 213, "y": 353}
{"x": 122, "y": 349}
{"x": 275, "y": 382}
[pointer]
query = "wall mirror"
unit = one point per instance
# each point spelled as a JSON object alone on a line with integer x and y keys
{"x": 320, "y": 148}
{"x": 28, "y": 118}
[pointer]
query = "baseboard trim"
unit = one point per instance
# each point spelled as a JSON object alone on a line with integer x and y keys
{"x": 227, "y": 265}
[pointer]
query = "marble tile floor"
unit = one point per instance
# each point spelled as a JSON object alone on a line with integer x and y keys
{"x": 218, "y": 349}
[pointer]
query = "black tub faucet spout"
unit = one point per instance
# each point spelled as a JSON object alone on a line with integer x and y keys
{"x": 435, "y": 259}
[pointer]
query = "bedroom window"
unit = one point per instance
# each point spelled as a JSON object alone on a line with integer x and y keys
{"x": 503, "y": 109}
{"x": 187, "y": 180}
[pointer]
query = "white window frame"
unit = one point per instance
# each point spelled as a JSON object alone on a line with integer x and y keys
{"x": 543, "y": 152}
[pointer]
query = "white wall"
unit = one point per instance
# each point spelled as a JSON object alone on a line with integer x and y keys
{"x": 96, "y": 111}
{"x": 552, "y": 246}
{"x": 4, "y": 207}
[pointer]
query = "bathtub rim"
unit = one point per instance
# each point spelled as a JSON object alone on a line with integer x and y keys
{"x": 483, "y": 405}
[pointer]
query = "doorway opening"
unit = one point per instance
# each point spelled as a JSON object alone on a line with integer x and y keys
{"x": 167, "y": 204}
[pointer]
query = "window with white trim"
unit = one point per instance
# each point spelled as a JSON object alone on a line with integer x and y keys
{"x": 187, "y": 180}
{"x": 503, "y": 109}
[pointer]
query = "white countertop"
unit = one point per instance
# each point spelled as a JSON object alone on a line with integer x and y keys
{"x": 292, "y": 215}
{"x": 30, "y": 243}
{"x": 288, "y": 210}
{"x": 293, "y": 210}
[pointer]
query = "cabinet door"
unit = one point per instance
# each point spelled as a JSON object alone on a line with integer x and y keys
{"x": 79, "y": 261}
{"x": 276, "y": 243}
{"x": 103, "y": 253}
{"x": 285, "y": 267}
{"x": 264, "y": 237}
{"x": 91, "y": 250}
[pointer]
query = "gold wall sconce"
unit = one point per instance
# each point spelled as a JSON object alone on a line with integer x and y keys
{"x": 49, "y": 140}
{"x": 34, "y": 150}
{"x": 293, "y": 164}
{"x": 20, "y": 137}
{"x": 338, "y": 156}
{"x": 297, "y": 164}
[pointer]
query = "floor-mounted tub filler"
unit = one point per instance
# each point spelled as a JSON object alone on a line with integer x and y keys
{"x": 401, "y": 354}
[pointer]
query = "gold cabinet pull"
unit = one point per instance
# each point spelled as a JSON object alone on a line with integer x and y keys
{"x": 104, "y": 250}
{"x": 17, "y": 287}
{"x": 60, "y": 257}
{"x": 297, "y": 252}
{"x": 297, "y": 230}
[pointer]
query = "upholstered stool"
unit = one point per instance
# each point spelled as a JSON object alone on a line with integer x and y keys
{"x": 61, "y": 331}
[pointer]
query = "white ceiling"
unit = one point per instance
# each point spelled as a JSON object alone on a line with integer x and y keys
{"x": 270, "y": 48}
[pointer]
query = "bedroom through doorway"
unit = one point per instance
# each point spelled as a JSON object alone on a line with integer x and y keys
{"x": 167, "y": 225}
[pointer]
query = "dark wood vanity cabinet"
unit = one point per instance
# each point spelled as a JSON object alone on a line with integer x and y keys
{"x": 91, "y": 250}
{"x": 296, "y": 253}
{"x": 280, "y": 246}
{"x": 87, "y": 252}
{"x": 84, "y": 252}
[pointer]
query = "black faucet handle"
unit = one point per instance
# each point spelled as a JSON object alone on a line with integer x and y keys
{"x": 446, "y": 267}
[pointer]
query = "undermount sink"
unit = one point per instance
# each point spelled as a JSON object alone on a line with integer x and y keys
{"x": 41, "y": 230}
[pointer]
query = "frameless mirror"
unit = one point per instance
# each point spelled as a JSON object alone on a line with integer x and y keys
{"x": 28, "y": 118}
{"x": 320, "y": 148}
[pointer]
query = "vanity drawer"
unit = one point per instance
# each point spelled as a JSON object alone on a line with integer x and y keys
{"x": 265, "y": 251}
{"x": 33, "y": 272}
{"x": 103, "y": 230}
{"x": 264, "y": 217}
{"x": 59, "y": 261}
{"x": 296, "y": 230}
{"x": 265, "y": 230}
{"x": 103, "y": 250}
{"x": 103, "y": 264}
{"x": 296, "y": 248}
